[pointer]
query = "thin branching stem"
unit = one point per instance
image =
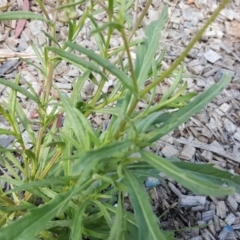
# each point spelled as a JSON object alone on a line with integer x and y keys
{"x": 102, "y": 82}
{"x": 56, "y": 156}
{"x": 96, "y": 97}
{"x": 139, "y": 20}
{"x": 47, "y": 89}
{"x": 41, "y": 5}
{"x": 187, "y": 49}
{"x": 133, "y": 76}
{"x": 51, "y": 163}
{"x": 173, "y": 66}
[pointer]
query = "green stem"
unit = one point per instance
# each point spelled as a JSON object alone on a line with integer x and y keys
{"x": 50, "y": 164}
{"x": 124, "y": 122}
{"x": 136, "y": 25}
{"x": 3, "y": 219}
{"x": 139, "y": 20}
{"x": 102, "y": 82}
{"x": 96, "y": 97}
{"x": 187, "y": 50}
{"x": 79, "y": 26}
{"x": 56, "y": 156}
{"x": 115, "y": 98}
{"x": 41, "y": 5}
{"x": 47, "y": 89}
{"x": 133, "y": 76}
{"x": 171, "y": 69}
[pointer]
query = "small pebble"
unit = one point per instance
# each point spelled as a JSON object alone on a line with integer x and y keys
{"x": 152, "y": 182}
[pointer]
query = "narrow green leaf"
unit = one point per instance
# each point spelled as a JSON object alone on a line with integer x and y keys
{"x": 72, "y": 121}
{"x": 210, "y": 173}
{"x": 59, "y": 223}
{"x": 104, "y": 212}
{"x": 168, "y": 103}
{"x": 94, "y": 217}
{"x": 11, "y": 106}
{"x": 140, "y": 54}
{"x": 13, "y": 159}
{"x": 12, "y": 101}
{"x": 4, "y": 150}
{"x": 119, "y": 228}
{"x": 121, "y": 48}
{"x": 77, "y": 61}
{"x": 45, "y": 154}
{"x": 51, "y": 38}
{"x": 77, "y": 88}
{"x": 12, "y": 209}
{"x": 109, "y": 110}
{"x": 126, "y": 81}
{"x": 182, "y": 100}
{"x": 40, "y": 68}
{"x": 142, "y": 175}
{"x": 40, "y": 56}
{"x": 113, "y": 25}
{"x": 69, "y": 139}
{"x": 148, "y": 226}
{"x": 80, "y": 125}
{"x": 10, "y": 169}
{"x": 14, "y": 182}
{"x": 18, "y": 88}
{"x": 72, "y": 4}
{"x": 76, "y": 226}
{"x": 7, "y": 132}
{"x": 36, "y": 220}
{"x": 128, "y": 4}
{"x": 22, "y": 15}
{"x": 187, "y": 179}
{"x": 97, "y": 233}
{"x": 150, "y": 46}
{"x": 71, "y": 26}
{"x": 99, "y": 38}
{"x": 131, "y": 224}
{"x": 36, "y": 184}
{"x": 95, "y": 156}
{"x": 6, "y": 114}
{"x": 25, "y": 122}
{"x": 31, "y": 89}
{"x": 174, "y": 85}
{"x": 146, "y": 123}
{"x": 182, "y": 115}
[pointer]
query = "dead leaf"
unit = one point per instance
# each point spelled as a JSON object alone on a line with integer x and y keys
{"x": 21, "y": 23}
{"x": 189, "y": 2}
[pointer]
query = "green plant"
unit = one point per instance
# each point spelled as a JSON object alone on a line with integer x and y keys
{"x": 78, "y": 172}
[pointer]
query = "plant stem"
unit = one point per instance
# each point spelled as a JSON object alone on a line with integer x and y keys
{"x": 45, "y": 171}
{"x": 51, "y": 163}
{"x": 41, "y": 5}
{"x": 102, "y": 82}
{"x": 96, "y": 97}
{"x": 124, "y": 122}
{"x": 187, "y": 50}
{"x": 173, "y": 66}
{"x": 47, "y": 90}
{"x": 139, "y": 20}
{"x": 133, "y": 76}
{"x": 115, "y": 98}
